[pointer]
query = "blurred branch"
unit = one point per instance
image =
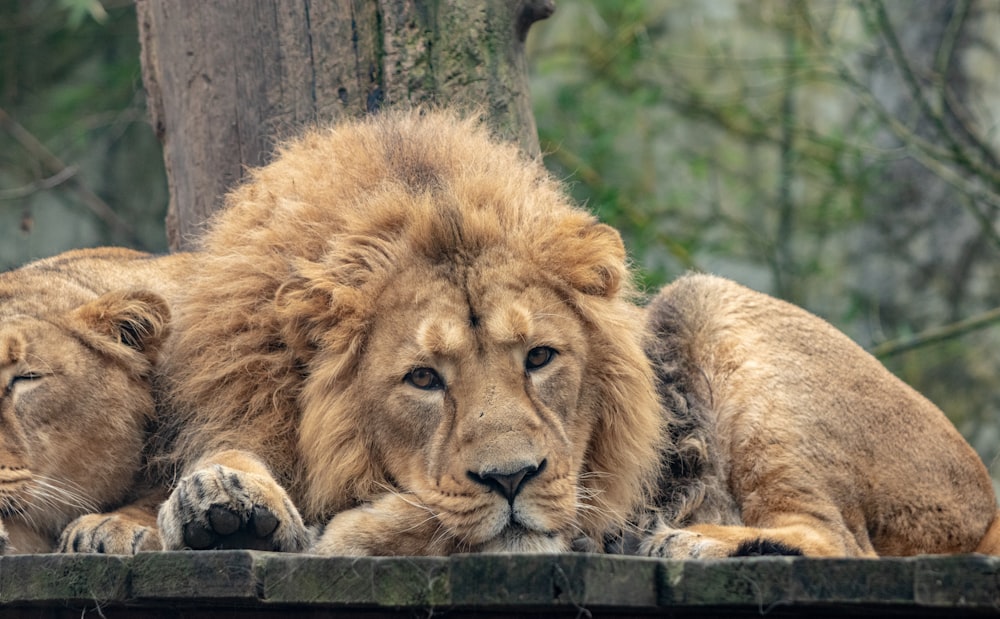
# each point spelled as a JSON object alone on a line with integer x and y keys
{"x": 783, "y": 262}
{"x": 40, "y": 185}
{"x": 937, "y": 334}
{"x": 917, "y": 92}
{"x": 946, "y": 50}
{"x": 91, "y": 200}
{"x": 935, "y": 159}
{"x": 904, "y": 134}
{"x": 942, "y": 62}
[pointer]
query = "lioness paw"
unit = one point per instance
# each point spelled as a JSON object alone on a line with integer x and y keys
{"x": 218, "y": 507}
{"x": 107, "y": 534}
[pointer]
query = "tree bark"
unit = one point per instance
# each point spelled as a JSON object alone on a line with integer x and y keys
{"x": 227, "y": 79}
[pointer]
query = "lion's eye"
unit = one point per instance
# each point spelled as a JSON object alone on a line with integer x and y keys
{"x": 26, "y": 377}
{"x": 539, "y": 357}
{"x": 424, "y": 378}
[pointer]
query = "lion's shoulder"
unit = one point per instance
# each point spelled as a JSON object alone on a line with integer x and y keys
{"x": 66, "y": 280}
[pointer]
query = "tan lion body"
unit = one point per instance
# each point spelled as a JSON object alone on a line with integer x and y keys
{"x": 801, "y": 438}
{"x": 367, "y": 262}
{"x": 403, "y": 333}
{"x": 79, "y": 333}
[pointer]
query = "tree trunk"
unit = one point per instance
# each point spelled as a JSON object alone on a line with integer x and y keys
{"x": 227, "y": 79}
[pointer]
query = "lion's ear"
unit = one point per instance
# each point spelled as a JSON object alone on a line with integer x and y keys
{"x": 300, "y": 304}
{"x": 591, "y": 257}
{"x": 138, "y": 319}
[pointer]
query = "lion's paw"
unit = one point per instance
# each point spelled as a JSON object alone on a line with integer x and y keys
{"x": 393, "y": 525}
{"x": 671, "y": 543}
{"x": 218, "y": 507}
{"x": 107, "y": 534}
{"x": 4, "y": 539}
{"x": 728, "y": 542}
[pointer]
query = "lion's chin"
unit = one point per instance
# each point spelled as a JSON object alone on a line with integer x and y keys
{"x": 517, "y": 539}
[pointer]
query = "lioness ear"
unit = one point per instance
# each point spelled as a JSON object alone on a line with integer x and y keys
{"x": 591, "y": 257}
{"x": 138, "y": 319}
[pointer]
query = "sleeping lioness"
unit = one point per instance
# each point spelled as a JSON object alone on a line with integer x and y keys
{"x": 79, "y": 335}
{"x": 788, "y": 438}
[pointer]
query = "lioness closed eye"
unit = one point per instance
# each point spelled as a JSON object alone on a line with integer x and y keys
{"x": 404, "y": 326}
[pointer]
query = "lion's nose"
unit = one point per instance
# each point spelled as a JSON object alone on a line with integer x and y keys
{"x": 508, "y": 484}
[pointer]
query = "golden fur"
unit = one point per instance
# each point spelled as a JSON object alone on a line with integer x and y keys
{"x": 79, "y": 334}
{"x": 403, "y": 325}
{"x": 789, "y": 438}
{"x": 402, "y": 336}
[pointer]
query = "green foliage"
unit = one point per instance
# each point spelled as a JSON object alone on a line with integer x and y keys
{"x": 787, "y": 145}
{"x": 79, "y": 10}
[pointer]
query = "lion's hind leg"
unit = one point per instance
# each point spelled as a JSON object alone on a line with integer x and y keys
{"x": 796, "y": 536}
{"x": 990, "y": 544}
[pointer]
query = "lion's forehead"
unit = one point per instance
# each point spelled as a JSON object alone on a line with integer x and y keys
{"x": 19, "y": 336}
{"x": 451, "y": 318}
{"x": 457, "y": 332}
{"x": 38, "y": 345}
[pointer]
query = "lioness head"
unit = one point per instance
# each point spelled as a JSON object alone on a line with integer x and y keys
{"x": 73, "y": 408}
{"x": 447, "y": 325}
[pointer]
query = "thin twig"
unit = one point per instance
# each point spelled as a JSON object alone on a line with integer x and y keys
{"x": 40, "y": 185}
{"x": 937, "y": 334}
{"x": 917, "y": 93}
{"x": 927, "y": 154}
{"x": 91, "y": 200}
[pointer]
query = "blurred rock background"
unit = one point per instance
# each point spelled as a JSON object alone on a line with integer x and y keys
{"x": 842, "y": 155}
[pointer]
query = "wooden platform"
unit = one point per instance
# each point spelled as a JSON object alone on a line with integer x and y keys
{"x": 259, "y": 584}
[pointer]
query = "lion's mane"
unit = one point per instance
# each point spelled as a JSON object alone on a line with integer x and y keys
{"x": 275, "y": 323}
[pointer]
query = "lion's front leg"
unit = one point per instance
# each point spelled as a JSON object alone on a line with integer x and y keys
{"x": 231, "y": 500}
{"x": 395, "y": 524}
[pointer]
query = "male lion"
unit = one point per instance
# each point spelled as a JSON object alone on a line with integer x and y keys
{"x": 79, "y": 334}
{"x": 403, "y": 325}
{"x": 404, "y": 331}
{"x": 789, "y": 438}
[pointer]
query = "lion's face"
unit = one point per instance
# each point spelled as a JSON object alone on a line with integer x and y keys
{"x": 478, "y": 404}
{"x": 484, "y": 394}
{"x": 73, "y": 408}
